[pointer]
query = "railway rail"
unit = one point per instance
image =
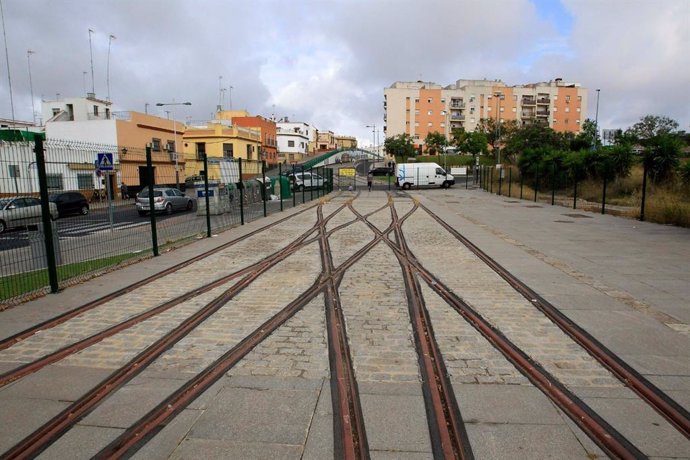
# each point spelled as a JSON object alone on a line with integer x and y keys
{"x": 447, "y": 433}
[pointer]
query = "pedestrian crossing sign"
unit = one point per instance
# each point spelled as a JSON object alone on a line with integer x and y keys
{"x": 104, "y": 161}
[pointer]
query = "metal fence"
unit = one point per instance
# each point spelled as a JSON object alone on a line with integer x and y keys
{"x": 633, "y": 196}
{"x": 65, "y": 216}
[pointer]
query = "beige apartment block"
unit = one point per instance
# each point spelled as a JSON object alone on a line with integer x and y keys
{"x": 419, "y": 108}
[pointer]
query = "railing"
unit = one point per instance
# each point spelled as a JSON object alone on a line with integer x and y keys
{"x": 543, "y": 100}
{"x": 528, "y": 101}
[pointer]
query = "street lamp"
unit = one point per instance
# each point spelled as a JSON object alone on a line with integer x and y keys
{"x": 31, "y": 85}
{"x": 107, "y": 71}
{"x": 373, "y": 135}
{"x": 596, "y": 123}
{"x": 173, "y": 104}
{"x": 498, "y": 128}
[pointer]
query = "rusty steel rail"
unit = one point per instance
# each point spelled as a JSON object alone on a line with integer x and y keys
{"x": 672, "y": 411}
{"x": 57, "y": 320}
{"x": 448, "y": 434}
{"x": 48, "y": 433}
{"x": 143, "y": 430}
{"x": 76, "y": 347}
{"x": 348, "y": 420}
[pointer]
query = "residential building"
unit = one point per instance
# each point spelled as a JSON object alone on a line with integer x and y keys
{"x": 267, "y": 128}
{"x": 293, "y": 140}
{"x": 89, "y": 122}
{"x": 419, "y": 108}
{"x": 345, "y": 142}
{"x": 326, "y": 140}
{"x": 221, "y": 141}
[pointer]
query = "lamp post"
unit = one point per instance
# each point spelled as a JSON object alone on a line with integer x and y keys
{"x": 93, "y": 84}
{"x": 31, "y": 85}
{"x": 7, "y": 59}
{"x": 107, "y": 71}
{"x": 498, "y": 128}
{"x": 173, "y": 104}
{"x": 596, "y": 123}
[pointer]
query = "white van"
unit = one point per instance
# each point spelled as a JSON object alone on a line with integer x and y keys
{"x": 422, "y": 174}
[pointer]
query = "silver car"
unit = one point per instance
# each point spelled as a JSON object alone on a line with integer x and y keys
{"x": 22, "y": 211}
{"x": 165, "y": 199}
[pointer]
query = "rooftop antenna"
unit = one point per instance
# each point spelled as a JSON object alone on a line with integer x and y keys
{"x": 84, "y": 75}
{"x": 31, "y": 85}
{"x": 220, "y": 93}
{"x": 107, "y": 71}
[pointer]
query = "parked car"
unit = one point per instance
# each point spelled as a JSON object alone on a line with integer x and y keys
{"x": 22, "y": 211}
{"x": 306, "y": 180}
{"x": 70, "y": 203}
{"x": 382, "y": 171}
{"x": 165, "y": 199}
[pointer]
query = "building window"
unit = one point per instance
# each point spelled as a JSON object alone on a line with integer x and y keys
{"x": 515, "y": 97}
{"x": 416, "y": 123}
{"x": 555, "y": 97}
{"x": 54, "y": 181}
{"x": 579, "y": 98}
{"x": 407, "y": 98}
{"x": 502, "y": 109}
{"x": 85, "y": 181}
{"x": 566, "y": 121}
{"x": 95, "y": 110}
{"x": 171, "y": 146}
{"x": 200, "y": 150}
{"x": 156, "y": 145}
{"x": 430, "y": 124}
{"x": 291, "y": 143}
{"x": 567, "y": 99}
{"x": 228, "y": 150}
{"x": 514, "y": 109}
{"x": 416, "y": 137}
{"x": 567, "y": 109}
{"x": 555, "y": 109}
{"x": 416, "y": 112}
{"x": 577, "y": 109}
{"x": 443, "y": 101}
{"x": 430, "y": 112}
{"x": 416, "y": 101}
{"x": 430, "y": 100}
{"x": 443, "y": 125}
{"x": 443, "y": 112}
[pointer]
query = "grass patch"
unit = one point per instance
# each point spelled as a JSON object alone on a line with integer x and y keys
{"x": 17, "y": 285}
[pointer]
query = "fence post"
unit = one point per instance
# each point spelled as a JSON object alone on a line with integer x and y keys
{"x": 500, "y": 179}
{"x": 510, "y": 182}
{"x": 644, "y": 189}
{"x": 575, "y": 193}
{"x": 45, "y": 214}
{"x": 603, "y": 195}
{"x": 240, "y": 186}
{"x": 263, "y": 184}
{"x": 293, "y": 187}
{"x": 150, "y": 181}
{"x": 208, "y": 207}
{"x": 280, "y": 184}
{"x": 536, "y": 184}
{"x": 522, "y": 182}
{"x": 553, "y": 183}
{"x": 304, "y": 186}
{"x": 491, "y": 179}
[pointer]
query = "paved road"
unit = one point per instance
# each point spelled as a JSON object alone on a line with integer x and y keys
{"x": 625, "y": 282}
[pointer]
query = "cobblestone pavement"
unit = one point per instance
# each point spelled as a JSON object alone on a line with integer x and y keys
{"x": 276, "y": 402}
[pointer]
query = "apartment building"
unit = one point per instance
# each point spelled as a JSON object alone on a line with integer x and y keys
{"x": 326, "y": 140}
{"x": 419, "y": 108}
{"x": 267, "y": 128}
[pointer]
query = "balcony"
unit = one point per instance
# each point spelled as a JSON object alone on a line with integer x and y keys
{"x": 544, "y": 100}
{"x": 529, "y": 100}
{"x": 543, "y": 113}
{"x": 457, "y": 117}
{"x": 457, "y": 105}
{"x": 527, "y": 114}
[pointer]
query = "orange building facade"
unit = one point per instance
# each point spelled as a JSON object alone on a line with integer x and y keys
{"x": 267, "y": 127}
{"x": 420, "y": 108}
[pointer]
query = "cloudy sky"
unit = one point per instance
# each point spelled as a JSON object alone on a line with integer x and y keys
{"x": 327, "y": 62}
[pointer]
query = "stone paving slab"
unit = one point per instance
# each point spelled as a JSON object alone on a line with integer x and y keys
{"x": 258, "y": 416}
{"x": 162, "y": 446}
{"x": 26, "y": 415}
{"x": 319, "y": 443}
{"x": 212, "y": 449}
{"x": 82, "y": 442}
{"x": 59, "y": 383}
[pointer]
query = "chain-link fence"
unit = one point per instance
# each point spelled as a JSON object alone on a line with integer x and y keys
{"x": 71, "y": 210}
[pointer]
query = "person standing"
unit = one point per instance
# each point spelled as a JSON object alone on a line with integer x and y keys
{"x": 125, "y": 191}
{"x": 370, "y": 178}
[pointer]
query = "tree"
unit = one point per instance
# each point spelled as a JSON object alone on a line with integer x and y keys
{"x": 651, "y": 126}
{"x": 588, "y": 137}
{"x": 662, "y": 156}
{"x": 475, "y": 143}
{"x": 401, "y": 145}
{"x": 435, "y": 142}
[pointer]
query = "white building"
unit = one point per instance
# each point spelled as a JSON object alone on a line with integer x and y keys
{"x": 293, "y": 140}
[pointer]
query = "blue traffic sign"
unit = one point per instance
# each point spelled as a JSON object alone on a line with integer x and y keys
{"x": 104, "y": 161}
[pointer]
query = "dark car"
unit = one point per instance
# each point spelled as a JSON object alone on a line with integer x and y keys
{"x": 381, "y": 171}
{"x": 70, "y": 203}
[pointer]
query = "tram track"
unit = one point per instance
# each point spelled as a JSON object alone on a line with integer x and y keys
{"x": 650, "y": 393}
{"x": 603, "y": 434}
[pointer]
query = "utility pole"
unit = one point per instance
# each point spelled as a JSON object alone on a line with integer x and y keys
{"x": 31, "y": 85}
{"x": 93, "y": 82}
{"x": 7, "y": 58}
{"x": 110, "y": 39}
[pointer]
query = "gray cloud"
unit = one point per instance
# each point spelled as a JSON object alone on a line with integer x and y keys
{"x": 327, "y": 62}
